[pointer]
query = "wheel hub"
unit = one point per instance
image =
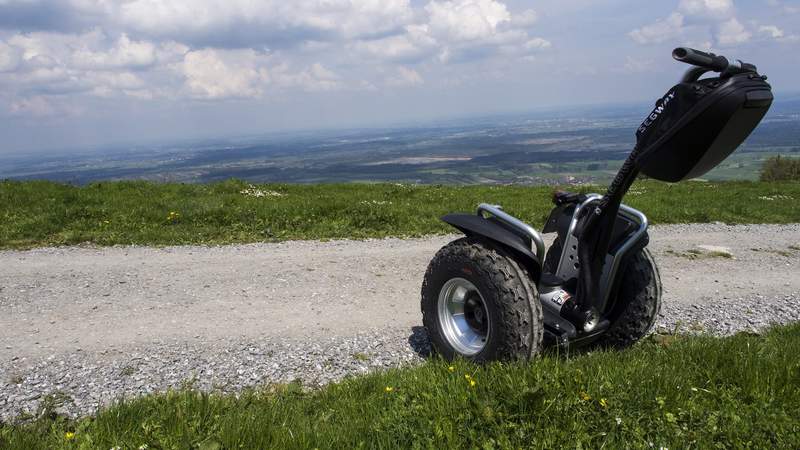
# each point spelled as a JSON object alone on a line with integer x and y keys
{"x": 474, "y": 313}
{"x": 463, "y": 317}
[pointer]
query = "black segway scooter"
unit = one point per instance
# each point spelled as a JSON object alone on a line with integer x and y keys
{"x": 496, "y": 294}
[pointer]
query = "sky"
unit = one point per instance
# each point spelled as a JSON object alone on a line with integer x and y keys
{"x": 76, "y": 74}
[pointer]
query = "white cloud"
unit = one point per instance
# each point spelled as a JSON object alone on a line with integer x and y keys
{"x": 469, "y": 29}
{"x": 661, "y": 31}
{"x": 412, "y": 46}
{"x": 537, "y": 43}
{"x": 42, "y": 49}
{"x": 217, "y": 49}
{"x": 108, "y": 84}
{"x": 771, "y": 31}
{"x": 458, "y": 30}
{"x": 124, "y": 53}
{"x": 238, "y": 23}
{"x": 315, "y": 78}
{"x": 54, "y": 79}
{"x": 10, "y": 57}
{"x": 40, "y": 107}
{"x": 697, "y": 20}
{"x": 466, "y": 20}
{"x": 732, "y": 32}
{"x": 216, "y": 74}
{"x": 90, "y": 50}
{"x": 524, "y": 19}
{"x": 405, "y": 77}
{"x": 706, "y": 9}
{"x": 47, "y": 63}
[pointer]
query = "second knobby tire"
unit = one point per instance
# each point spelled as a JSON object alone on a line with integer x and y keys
{"x": 637, "y": 304}
{"x": 480, "y": 304}
{"x": 636, "y": 307}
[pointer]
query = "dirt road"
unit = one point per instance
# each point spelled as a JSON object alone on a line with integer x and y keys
{"x": 95, "y": 324}
{"x": 60, "y": 300}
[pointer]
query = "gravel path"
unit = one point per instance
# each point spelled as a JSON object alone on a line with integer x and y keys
{"x": 91, "y": 325}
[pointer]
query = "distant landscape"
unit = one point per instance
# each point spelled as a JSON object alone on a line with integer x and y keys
{"x": 575, "y": 146}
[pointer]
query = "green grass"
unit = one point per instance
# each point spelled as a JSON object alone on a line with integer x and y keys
{"x": 39, "y": 213}
{"x": 681, "y": 392}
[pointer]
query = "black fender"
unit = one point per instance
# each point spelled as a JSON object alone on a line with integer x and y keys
{"x": 494, "y": 230}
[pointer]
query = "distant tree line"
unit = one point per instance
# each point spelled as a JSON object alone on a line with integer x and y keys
{"x": 781, "y": 168}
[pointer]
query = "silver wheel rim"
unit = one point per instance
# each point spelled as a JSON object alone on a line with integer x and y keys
{"x": 463, "y": 317}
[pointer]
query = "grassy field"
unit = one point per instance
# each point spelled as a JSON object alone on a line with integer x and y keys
{"x": 670, "y": 391}
{"x": 39, "y": 213}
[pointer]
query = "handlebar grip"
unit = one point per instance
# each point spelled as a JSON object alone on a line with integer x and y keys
{"x": 701, "y": 59}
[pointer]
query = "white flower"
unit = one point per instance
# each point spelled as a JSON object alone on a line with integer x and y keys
{"x": 619, "y": 421}
{"x": 253, "y": 191}
{"x": 375, "y": 202}
{"x": 770, "y": 198}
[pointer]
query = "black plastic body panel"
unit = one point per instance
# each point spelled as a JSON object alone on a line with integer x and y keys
{"x": 561, "y": 217}
{"x": 475, "y": 225}
{"x": 701, "y": 124}
{"x": 623, "y": 227}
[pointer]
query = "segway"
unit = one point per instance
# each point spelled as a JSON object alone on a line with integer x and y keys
{"x": 496, "y": 294}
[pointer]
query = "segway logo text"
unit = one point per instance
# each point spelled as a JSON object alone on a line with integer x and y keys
{"x": 656, "y": 112}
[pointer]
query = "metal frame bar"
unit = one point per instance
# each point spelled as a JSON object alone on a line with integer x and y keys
{"x": 566, "y": 270}
{"x": 537, "y": 242}
{"x": 610, "y": 271}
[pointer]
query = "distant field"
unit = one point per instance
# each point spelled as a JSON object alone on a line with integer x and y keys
{"x": 671, "y": 391}
{"x": 584, "y": 145}
{"x": 39, "y": 213}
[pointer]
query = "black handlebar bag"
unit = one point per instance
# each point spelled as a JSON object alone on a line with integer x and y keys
{"x": 698, "y": 124}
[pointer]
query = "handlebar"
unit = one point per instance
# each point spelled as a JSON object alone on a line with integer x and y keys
{"x": 711, "y": 61}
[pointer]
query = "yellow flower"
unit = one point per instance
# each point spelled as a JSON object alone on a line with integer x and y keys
{"x": 451, "y": 368}
{"x": 173, "y": 216}
{"x": 467, "y": 376}
{"x": 585, "y": 397}
{"x": 471, "y": 383}
{"x": 69, "y": 435}
{"x": 389, "y": 389}
{"x": 603, "y": 403}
